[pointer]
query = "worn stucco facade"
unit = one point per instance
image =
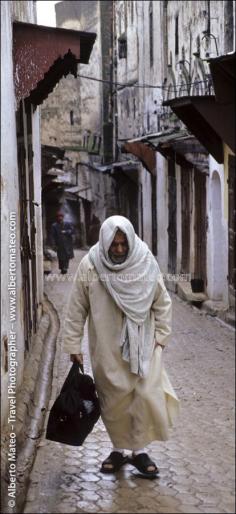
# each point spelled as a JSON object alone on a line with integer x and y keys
{"x": 11, "y": 201}
{"x": 77, "y": 114}
{"x": 186, "y": 27}
{"x": 166, "y": 46}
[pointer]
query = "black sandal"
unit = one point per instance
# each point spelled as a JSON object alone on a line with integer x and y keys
{"x": 142, "y": 462}
{"x": 116, "y": 459}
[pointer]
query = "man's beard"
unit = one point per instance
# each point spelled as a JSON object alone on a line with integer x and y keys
{"x": 118, "y": 259}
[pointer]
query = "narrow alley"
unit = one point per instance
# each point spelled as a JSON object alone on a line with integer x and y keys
{"x": 118, "y": 128}
{"x": 196, "y": 464}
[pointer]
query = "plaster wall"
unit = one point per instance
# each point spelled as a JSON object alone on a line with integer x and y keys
{"x": 162, "y": 213}
{"x": 22, "y": 11}
{"x": 82, "y": 97}
{"x": 138, "y": 106}
{"x": 193, "y": 19}
{"x": 38, "y": 201}
{"x": 79, "y": 95}
{"x": 147, "y": 209}
{"x": 217, "y": 235}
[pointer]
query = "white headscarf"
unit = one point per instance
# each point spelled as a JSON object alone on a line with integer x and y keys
{"x": 132, "y": 286}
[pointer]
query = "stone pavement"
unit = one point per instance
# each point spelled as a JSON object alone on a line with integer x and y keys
{"x": 196, "y": 464}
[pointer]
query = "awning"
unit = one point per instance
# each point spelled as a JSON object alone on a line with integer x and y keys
{"x": 43, "y": 55}
{"x": 179, "y": 145}
{"x": 223, "y": 75}
{"x": 145, "y": 154}
{"x": 209, "y": 121}
{"x": 56, "y": 172}
{"x": 78, "y": 192}
{"x": 129, "y": 168}
{"x": 77, "y": 189}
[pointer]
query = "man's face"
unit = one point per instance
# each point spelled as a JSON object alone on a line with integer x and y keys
{"x": 118, "y": 250}
{"x": 60, "y": 218}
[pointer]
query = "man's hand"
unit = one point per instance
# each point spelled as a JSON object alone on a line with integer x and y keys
{"x": 77, "y": 357}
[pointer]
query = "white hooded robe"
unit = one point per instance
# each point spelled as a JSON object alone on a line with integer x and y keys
{"x": 135, "y": 410}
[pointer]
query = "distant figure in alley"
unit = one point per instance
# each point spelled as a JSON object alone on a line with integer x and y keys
{"x": 119, "y": 287}
{"x": 61, "y": 234}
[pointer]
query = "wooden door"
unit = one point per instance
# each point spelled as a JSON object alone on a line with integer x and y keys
{"x": 154, "y": 214}
{"x": 25, "y": 250}
{"x": 200, "y": 227}
{"x": 172, "y": 227}
{"x": 185, "y": 217}
{"x": 128, "y": 199}
{"x": 232, "y": 229}
{"x": 29, "y": 113}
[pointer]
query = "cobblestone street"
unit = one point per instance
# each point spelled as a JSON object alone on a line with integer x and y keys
{"x": 196, "y": 464}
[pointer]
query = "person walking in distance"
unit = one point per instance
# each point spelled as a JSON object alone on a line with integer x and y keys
{"x": 61, "y": 234}
{"x": 119, "y": 288}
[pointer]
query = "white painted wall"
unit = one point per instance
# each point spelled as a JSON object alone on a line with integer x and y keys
{"x": 147, "y": 100}
{"x": 10, "y": 194}
{"x": 147, "y": 208}
{"x": 162, "y": 213}
{"x": 22, "y": 11}
{"x": 192, "y": 21}
{"x": 193, "y": 17}
{"x": 217, "y": 236}
{"x": 38, "y": 200}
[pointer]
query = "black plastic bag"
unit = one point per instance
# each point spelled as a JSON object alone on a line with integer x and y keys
{"x": 76, "y": 409}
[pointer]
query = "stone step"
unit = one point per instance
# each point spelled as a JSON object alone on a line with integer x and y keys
{"x": 230, "y": 318}
{"x": 214, "y": 307}
{"x": 184, "y": 290}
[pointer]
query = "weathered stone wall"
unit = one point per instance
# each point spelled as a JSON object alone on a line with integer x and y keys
{"x": 86, "y": 93}
{"x": 56, "y": 114}
{"x": 23, "y": 11}
{"x": 178, "y": 34}
{"x": 193, "y": 18}
{"x": 88, "y": 99}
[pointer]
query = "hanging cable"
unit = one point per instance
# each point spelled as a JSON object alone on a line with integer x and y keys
{"x": 184, "y": 87}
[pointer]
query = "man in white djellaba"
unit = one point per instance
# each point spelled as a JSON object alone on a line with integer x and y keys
{"x": 119, "y": 287}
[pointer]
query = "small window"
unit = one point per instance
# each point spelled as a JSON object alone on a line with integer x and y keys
{"x": 148, "y": 122}
{"x": 122, "y": 47}
{"x": 151, "y": 33}
{"x": 177, "y": 35}
{"x": 72, "y": 117}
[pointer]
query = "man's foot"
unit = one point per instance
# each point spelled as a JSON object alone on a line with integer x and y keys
{"x": 63, "y": 271}
{"x": 144, "y": 464}
{"x": 113, "y": 463}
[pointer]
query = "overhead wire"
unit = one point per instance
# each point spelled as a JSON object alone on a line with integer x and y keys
{"x": 183, "y": 87}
